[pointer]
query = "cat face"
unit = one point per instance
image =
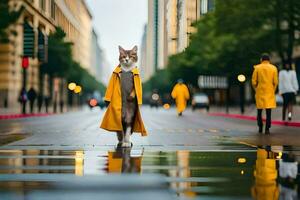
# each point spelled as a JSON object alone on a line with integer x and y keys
{"x": 128, "y": 58}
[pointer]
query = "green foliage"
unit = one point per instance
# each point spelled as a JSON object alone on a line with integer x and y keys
{"x": 230, "y": 39}
{"x": 60, "y": 59}
{"x": 61, "y": 64}
{"x": 7, "y": 17}
{"x": 160, "y": 82}
{"x": 82, "y": 77}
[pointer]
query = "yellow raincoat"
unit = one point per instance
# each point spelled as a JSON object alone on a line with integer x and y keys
{"x": 264, "y": 82}
{"x": 112, "y": 120}
{"x": 181, "y": 94}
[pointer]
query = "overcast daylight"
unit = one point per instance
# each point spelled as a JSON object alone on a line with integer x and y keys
{"x": 118, "y": 22}
{"x": 201, "y": 101}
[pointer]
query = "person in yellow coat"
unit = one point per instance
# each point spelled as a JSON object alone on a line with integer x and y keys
{"x": 112, "y": 118}
{"x": 264, "y": 82}
{"x": 181, "y": 95}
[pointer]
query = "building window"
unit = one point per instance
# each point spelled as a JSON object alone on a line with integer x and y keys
{"x": 42, "y": 5}
{"x": 210, "y": 5}
{"x": 206, "y": 6}
{"x": 52, "y": 9}
{"x": 203, "y": 7}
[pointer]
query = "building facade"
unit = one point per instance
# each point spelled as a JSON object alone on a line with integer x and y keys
{"x": 42, "y": 16}
{"x": 97, "y": 58}
{"x": 143, "y": 57}
{"x": 156, "y": 37}
{"x": 170, "y": 25}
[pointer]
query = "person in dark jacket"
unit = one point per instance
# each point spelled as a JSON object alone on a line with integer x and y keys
{"x": 31, "y": 97}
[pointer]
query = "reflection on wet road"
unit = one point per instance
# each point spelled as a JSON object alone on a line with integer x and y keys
{"x": 263, "y": 173}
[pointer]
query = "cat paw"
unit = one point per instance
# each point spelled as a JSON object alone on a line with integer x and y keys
{"x": 126, "y": 144}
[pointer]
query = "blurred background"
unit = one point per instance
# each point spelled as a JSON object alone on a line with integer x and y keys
{"x": 56, "y": 55}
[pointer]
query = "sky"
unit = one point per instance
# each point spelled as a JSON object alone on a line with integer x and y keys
{"x": 118, "y": 22}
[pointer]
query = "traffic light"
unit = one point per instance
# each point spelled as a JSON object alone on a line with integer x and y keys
{"x": 28, "y": 40}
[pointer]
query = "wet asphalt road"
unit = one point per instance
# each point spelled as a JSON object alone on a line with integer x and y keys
{"x": 193, "y": 156}
{"x": 192, "y": 131}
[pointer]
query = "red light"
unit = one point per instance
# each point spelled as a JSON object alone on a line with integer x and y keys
{"x": 25, "y": 62}
{"x": 93, "y": 102}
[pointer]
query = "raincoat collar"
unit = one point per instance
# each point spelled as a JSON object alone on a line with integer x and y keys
{"x": 265, "y": 62}
{"x": 118, "y": 70}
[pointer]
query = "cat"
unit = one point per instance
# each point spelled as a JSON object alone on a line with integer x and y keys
{"x": 128, "y": 60}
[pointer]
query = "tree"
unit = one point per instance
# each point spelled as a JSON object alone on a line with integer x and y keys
{"x": 60, "y": 59}
{"x": 8, "y": 16}
{"x": 286, "y": 27}
{"x": 61, "y": 64}
{"x": 231, "y": 39}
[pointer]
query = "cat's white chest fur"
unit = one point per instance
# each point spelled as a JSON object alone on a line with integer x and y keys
{"x": 127, "y": 68}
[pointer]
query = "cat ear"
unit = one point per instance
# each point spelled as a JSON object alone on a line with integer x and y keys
{"x": 135, "y": 48}
{"x": 121, "y": 50}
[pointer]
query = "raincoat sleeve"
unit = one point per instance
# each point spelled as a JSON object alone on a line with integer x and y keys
{"x": 174, "y": 93}
{"x": 110, "y": 88}
{"x": 187, "y": 93}
{"x": 254, "y": 79}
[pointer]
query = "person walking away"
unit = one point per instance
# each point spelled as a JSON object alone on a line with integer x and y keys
{"x": 288, "y": 87}
{"x": 181, "y": 94}
{"x": 23, "y": 99}
{"x": 264, "y": 82}
{"x": 31, "y": 97}
{"x": 40, "y": 100}
{"x": 47, "y": 102}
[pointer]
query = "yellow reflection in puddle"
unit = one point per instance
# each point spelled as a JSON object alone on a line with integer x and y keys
{"x": 242, "y": 160}
{"x": 183, "y": 163}
{"x": 79, "y": 163}
{"x": 121, "y": 161}
{"x": 265, "y": 174}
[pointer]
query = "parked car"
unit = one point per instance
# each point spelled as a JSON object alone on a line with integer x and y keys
{"x": 200, "y": 100}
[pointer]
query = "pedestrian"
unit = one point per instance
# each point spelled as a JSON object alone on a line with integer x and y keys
{"x": 288, "y": 87}
{"x": 264, "y": 82}
{"x": 124, "y": 94}
{"x": 31, "y": 97}
{"x": 23, "y": 99}
{"x": 40, "y": 102}
{"x": 47, "y": 102}
{"x": 61, "y": 104}
{"x": 181, "y": 95}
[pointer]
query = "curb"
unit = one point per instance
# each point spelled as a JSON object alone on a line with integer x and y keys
{"x": 253, "y": 118}
{"x": 17, "y": 116}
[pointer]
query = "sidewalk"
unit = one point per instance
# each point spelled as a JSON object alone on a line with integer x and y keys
{"x": 250, "y": 114}
{"x": 14, "y": 113}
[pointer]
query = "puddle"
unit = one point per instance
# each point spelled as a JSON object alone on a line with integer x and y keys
{"x": 269, "y": 172}
{"x": 12, "y": 137}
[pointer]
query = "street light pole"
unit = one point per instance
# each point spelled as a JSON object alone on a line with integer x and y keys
{"x": 242, "y": 78}
{"x": 25, "y": 64}
{"x": 242, "y": 97}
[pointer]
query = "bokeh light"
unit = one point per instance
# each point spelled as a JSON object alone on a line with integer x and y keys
{"x": 77, "y": 89}
{"x": 72, "y": 86}
{"x": 93, "y": 102}
{"x": 166, "y": 106}
{"x": 155, "y": 97}
{"x": 241, "y": 78}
